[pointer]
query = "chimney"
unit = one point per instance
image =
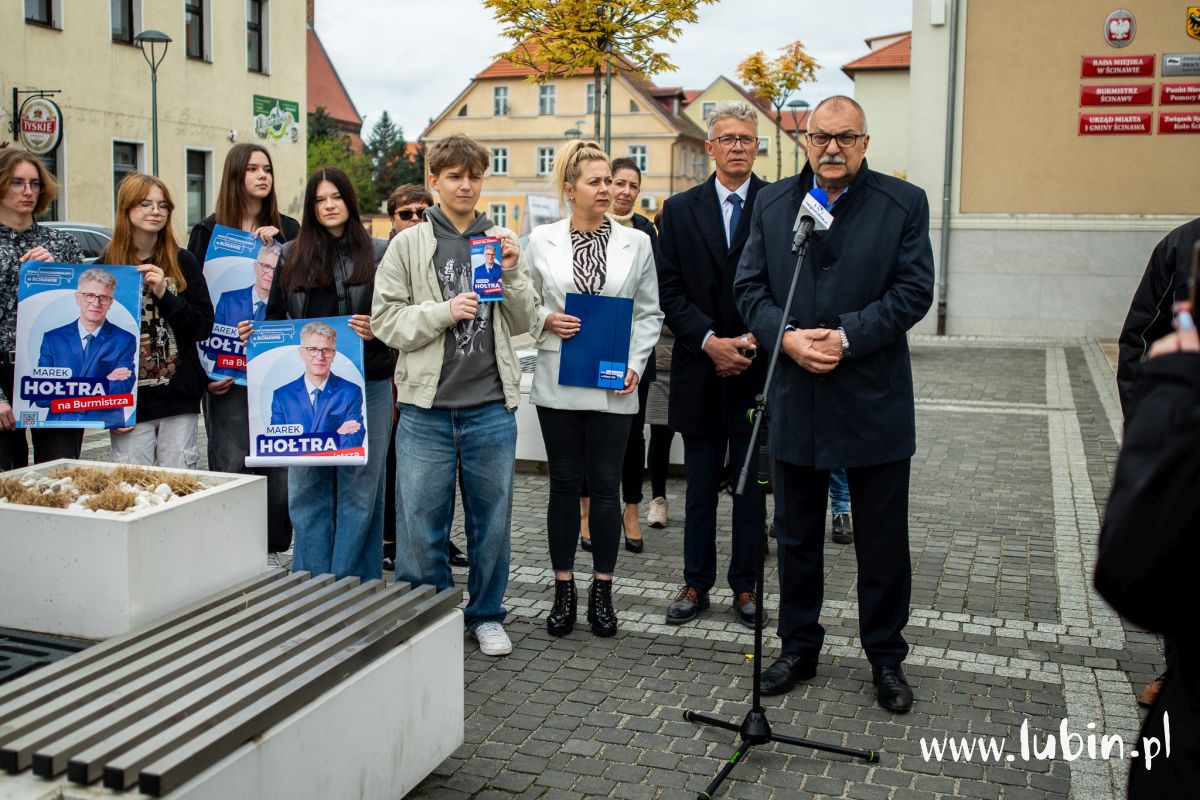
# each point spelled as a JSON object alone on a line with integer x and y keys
{"x": 312, "y": 12}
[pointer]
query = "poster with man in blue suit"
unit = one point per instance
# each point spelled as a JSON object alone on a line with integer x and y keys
{"x": 78, "y": 331}
{"x": 306, "y": 390}
{"x": 239, "y": 270}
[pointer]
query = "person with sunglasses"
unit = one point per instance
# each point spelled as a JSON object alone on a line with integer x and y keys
{"x": 26, "y": 190}
{"x": 406, "y": 206}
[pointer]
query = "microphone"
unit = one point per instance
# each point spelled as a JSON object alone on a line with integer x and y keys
{"x": 813, "y": 215}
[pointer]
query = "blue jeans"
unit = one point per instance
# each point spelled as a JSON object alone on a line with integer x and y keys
{"x": 338, "y": 511}
{"x": 429, "y": 445}
{"x": 839, "y": 492}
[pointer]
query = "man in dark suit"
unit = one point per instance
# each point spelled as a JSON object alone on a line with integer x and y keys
{"x": 249, "y": 303}
{"x": 714, "y": 376}
{"x": 844, "y": 395}
{"x": 92, "y": 347}
{"x": 319, "y": 400}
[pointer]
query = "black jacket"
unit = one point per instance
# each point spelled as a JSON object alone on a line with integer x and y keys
{"x": 202, "y": 232}
{"x": 379, "y": 360}
{"x": 871, "y": 274}
{"x": 647, "y": 227}
{"x": 1149, "y": 548}
{"x": 1163, "y": 282}
{"x": 695, "y": 290}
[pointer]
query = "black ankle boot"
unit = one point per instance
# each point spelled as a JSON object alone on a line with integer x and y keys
{"x": 562, "y": 617}
{"x": 600, "y": 609}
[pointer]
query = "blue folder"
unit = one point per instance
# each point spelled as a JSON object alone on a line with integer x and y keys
{"x": 598, "y": 355}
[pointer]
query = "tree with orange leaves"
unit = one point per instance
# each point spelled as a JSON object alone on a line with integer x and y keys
{"x": 775, "y": 80}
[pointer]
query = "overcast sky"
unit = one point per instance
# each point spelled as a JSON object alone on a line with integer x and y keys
{"x": 412, "y": 57}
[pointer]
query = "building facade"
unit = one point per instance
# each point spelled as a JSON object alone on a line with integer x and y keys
{"x": 524, "y": 125}
{"x": 881, "y": 87}
{"x": 234, "y": 72}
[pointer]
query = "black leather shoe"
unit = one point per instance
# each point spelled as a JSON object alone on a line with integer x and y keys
{"x": 635, "y": 545}
{"x": 389, "y": 564}
{"x": 562, "y": 616}
{"x": 586, "y": 544}
{"x": 892, "y": 691}
{"x": 457, "y": 557}
{"x": 600, "y": 608}
{"x": 843, "y": 529}
{"x": 744, "y": 605}
{"x": 687, "y": 605}
{"x": 782, "y": 676}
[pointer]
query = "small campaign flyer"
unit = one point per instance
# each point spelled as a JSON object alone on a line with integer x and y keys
{"x": 78, "y": 330}
{"x": 239, "y": 270}
{"x": 307, "y": 393}
{"x": 488, "y": 282}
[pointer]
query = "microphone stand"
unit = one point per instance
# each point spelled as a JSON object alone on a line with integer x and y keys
{"x": 755, "y": 729}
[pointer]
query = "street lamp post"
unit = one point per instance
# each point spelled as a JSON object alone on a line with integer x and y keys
{"x": 796, "y": 104}
{"x": 153, "y": 58}
{"x": 576, "y": 132}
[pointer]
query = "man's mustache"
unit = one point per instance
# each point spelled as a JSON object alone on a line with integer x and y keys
{"x": 831, "y": 159}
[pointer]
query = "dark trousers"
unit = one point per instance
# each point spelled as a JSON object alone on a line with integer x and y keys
{"x": 659, "y": 456}
{"x": 704, "y": 458}
{"x": 633, "y": 468}
{"x": 48, "y": 443}
{"x": 591, "y": 445}
{"x": 228, "y": 427}
{"x": 880, "y": 495}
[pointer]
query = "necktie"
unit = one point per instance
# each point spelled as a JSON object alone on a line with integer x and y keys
{"x": 734, "y": 200}
{"x": 316, "y": 394}
{"x": 87, "y": 343}
{"x": 259, "y": 311}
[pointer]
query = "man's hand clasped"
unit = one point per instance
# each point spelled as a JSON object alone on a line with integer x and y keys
{"x": 817, "y": 350}
{"x": 727, "y": 353}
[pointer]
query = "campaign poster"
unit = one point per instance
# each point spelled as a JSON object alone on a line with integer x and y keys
{"x": 307, "y": 393}
{"x": 487, "y": 281}
{"x": 78, "y": 333}
{"x": 239, "y": 270}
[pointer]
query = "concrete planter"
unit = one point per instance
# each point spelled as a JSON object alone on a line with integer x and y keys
{"x": 97, "y": 575}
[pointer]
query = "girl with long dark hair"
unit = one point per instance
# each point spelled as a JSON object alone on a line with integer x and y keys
{"x": 176, "y": 314}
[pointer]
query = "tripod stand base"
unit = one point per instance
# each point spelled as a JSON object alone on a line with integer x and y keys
{"x": 756, "y": 730}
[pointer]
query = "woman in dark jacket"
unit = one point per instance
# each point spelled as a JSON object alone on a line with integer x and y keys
{"x": 329, "y": 271}
{"x": 176, "y": 314}
{"x": 246, "y": 201}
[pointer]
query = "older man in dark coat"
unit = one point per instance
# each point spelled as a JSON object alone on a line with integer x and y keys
{"x": 844, "y": 394}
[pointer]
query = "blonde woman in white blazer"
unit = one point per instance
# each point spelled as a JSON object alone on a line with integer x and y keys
{"x": 585, "y": 430}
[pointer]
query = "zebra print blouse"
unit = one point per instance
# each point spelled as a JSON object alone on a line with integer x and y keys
{"x": 589, "y": 251}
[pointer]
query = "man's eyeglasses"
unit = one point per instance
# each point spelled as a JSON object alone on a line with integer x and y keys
{"x": 18, "y": 185}
{"x": 728, "y": 142}
{"x": 96, "y": 299}
{"x": 407, "y": 214}
{"x": 266, "y": 267}
{"x": 319, "y": 352}
{"x": 150, "y": 205}
{"x": 843, "y": 139}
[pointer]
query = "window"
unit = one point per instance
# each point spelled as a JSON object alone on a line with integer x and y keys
{"x": 707, "y": 109}
{"x": 590, "y": 105}
{"x": 462, "y": 112}
{"x": 195, "y": 25}
{"x": 126, "y": 156}
{"x": 545, "y": 160}
{"x": 44, "y": 12}
{"x": 256, "y": 37}
{"x": 197, "y": 162}
{"x": 499, "y": 160}
{"x": 122, "y": 20}
{"x": 500, "y": 101}
{"x": 499, "y": 214}
{"x": 546, "y": 97}
{"x": 633, "y": 107}
{"x": 763, "y": 144}
{"x": 638, "y": 153}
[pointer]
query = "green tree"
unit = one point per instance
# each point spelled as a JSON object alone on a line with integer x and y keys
{"x": 336, "y": 152}
{"x": 775, "y": 81}
{"x": 391, "y": 163}
{"x": 566, "y": 37}
{"x": 321, "y": 125}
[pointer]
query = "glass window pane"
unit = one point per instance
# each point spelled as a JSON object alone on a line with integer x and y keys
{"x": 197, "y": 203}
{"x": 122, "y": 20}
{"x": 254, "y": 50}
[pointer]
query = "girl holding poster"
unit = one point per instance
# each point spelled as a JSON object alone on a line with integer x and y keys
{"x": 329, "y": 271}
{"x": 176, "y": 313}
{"x": 246, "y": 201}
{"x": 27, "y": 189}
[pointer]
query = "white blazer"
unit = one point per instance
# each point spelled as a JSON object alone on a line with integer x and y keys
{"x": 630, "y": 273}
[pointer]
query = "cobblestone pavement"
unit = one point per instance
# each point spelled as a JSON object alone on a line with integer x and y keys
{"x": 1016, "y": 445}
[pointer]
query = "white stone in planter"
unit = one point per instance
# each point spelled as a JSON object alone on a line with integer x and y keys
{"x": 96, "y": 575}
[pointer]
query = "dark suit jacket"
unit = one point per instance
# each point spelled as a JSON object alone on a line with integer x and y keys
{"x": 340, "y": 401}
{"x": 871, "y": 274}
{"x": 236, "y": 305}
{"x": 695, "y": 289}
{"x": 112, "y": 348}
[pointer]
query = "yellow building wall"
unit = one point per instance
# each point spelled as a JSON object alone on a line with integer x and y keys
{"x": 672, "y": 159}
{"x": 884, "y": 98}
{"x": 106, "y": 96}
{"x": 765, "y": 164}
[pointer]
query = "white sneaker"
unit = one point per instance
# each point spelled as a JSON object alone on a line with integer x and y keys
{"x": 493, "y": 641}
{"x": 273, "y": 561}
{"x": 656, "y": 517}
